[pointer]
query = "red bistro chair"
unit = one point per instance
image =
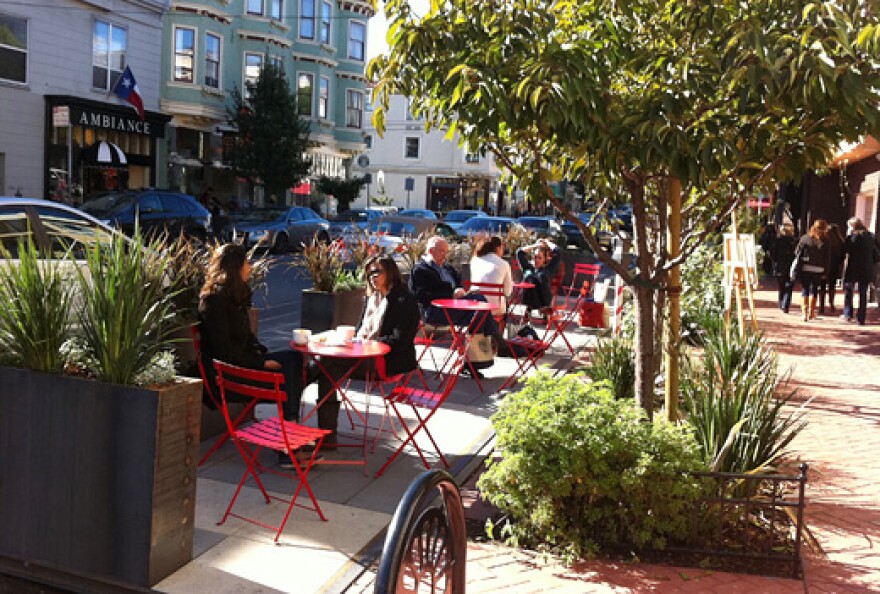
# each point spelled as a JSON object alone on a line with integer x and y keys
{"x": 426, "y": 401}
{"x": 494, "y": 290}
{"x": 583, "y": 281}
{"x": 211, "y": 390}
{"x": 274, "y": 433}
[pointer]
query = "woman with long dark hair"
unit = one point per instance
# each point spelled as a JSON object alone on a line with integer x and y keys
{"x": 861, "y": 253}
{"x": 225, "y": 327}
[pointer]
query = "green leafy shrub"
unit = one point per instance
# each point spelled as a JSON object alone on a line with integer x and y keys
{"x": 129, "y": 310}
{"x": 614, "y": 360}
{"x": 735, "y": 401}
{"x": 35, "y": 318}
{"x": 702, "y": 297}
{"x": 581, "y": 471}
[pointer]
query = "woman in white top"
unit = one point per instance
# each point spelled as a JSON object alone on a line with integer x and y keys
{"x": 487, "y": 266}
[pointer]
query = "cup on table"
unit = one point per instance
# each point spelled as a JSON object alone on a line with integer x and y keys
{"x": 301, "y": 336}
{"x": 345, "y": 332}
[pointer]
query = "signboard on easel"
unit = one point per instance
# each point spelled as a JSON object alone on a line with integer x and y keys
{"x": 740, "y": 276}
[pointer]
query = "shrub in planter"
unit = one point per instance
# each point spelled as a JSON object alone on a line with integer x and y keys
{"x": 581, "y": 471}
{"x": 735, "y": 400}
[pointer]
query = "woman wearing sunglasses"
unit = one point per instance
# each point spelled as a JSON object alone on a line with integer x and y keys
{"x": 391, "y": 316}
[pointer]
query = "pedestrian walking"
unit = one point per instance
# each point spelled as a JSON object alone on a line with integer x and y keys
{"x": 835, "y": 267}
{"x": 861, "y": 253}
{"x": 811, "y": 261}
{"x": 782, "y": 255}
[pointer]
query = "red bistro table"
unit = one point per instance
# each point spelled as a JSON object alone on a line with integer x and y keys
{"x": 358, "y": 351}
{"x": 461, "y": 334}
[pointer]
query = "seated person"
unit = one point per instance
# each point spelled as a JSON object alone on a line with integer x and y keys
{"x": 488, "y": 266}
{"x": 540, "y": 270}
{"x": 390, "y": 315}
{"x": 225, "y": 327}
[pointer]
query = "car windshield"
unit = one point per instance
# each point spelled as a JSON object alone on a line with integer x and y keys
{"x": 108, "y": 205}
{"x": 351, "y": 215}
{"x": 264, "y": 215}
{"x": 534, "y": 223}
{"x": 485, "y": 224}
{"x": 393, "y": 228}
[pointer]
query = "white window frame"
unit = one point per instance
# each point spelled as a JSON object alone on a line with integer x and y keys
{"x": 311, "y": 110}
{"x": 244, "y": 77}
{"x": 219, "y": 62}
{"x": 303, "y": 19}
{"x": 25, "y": 51}
{"x": 406, "y": 147}
{"x": 109, "y": 80}
{"x": 192, "y": 55}
{"x": 324, "y": 97}
{"x": 352, "y": 42}
{"x": 248, "y": 10}
{"x": 356, "y": 110}
{"x": 325, "y": 25}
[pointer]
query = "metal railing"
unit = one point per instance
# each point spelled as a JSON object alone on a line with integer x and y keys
{"x": 751, "y": 517}
{"x": 426, "y": 545}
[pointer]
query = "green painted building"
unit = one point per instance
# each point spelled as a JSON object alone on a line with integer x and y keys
{"x": 213, "y": 46}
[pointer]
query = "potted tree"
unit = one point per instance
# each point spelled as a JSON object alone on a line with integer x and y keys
{"x": 100, "y": 436}
{"x": 337, "y": 293}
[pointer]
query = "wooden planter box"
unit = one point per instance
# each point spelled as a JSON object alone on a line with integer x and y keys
{"x": 98, "y": 479}
{"x": 324, "y": 311}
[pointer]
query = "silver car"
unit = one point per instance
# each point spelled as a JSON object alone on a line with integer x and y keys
{"x": 280, "y": 230}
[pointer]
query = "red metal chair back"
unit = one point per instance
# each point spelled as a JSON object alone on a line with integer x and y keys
{"x": 206, "y": 381}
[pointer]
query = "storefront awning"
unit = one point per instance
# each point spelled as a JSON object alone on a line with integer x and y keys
{"x": 106, "y": 154}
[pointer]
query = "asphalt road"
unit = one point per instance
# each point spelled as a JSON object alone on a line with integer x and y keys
{"x": 279, "y": 303}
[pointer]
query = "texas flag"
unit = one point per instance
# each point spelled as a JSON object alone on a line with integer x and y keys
{"x": 126, "y": 88}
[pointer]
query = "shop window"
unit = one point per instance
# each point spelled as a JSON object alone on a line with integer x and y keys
{"x": 411, "y": 147}
{"x": 354, "y": 109}
{"x": 108, "y": 54}
{"x": 324, "y": 97}
{"x": 305, "y": 84}
{"x": 357, "y": 39}
{"x": 212, "y": 60}
{"x": 307, "y": 19}
{"x": 13, "y": 49}
{"x": 184, "y": 54}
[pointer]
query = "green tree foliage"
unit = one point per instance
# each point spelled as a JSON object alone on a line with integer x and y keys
{"x": 344, "y": 190}
{"x": 272, "y": 137}
{"x": 582, "y": 471}
{"x": 729, "y": 97}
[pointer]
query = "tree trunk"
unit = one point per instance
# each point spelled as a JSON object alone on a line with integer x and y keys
{"x": 644, "y": 347}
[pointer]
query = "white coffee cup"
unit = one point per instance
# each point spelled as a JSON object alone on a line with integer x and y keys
{"x": 301, "y": 336}
{"x": 345, "y": 332}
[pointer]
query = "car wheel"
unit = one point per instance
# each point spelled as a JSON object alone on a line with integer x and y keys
{"x": 282, "y": 244}
{"x": 323, "y": 237}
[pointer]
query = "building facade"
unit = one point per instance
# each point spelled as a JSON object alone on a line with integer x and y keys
{"x": 411, "y": 168}
{"x": 214, "y": 46}
{"x": 58, "y": 63}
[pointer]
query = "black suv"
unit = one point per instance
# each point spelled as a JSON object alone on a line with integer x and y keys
{"x": 159, "y": 211}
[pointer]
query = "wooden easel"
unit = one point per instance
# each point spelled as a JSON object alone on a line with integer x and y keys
{"x": 740, "y": 276}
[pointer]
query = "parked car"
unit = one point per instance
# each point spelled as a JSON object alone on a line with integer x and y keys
{"x": 422, "y": 213}
{"x": 280, "y": 229}
{"x": 575, "y": 237}
{"x": 486, "y": 224}
{"x": 389, "y": 232}
{"x": 354, "y": 218}
{"x": 455, "y": 218}
{"x": 157, "y": 211}
{"x": 53, "y": 226}
{"x": 544, "y": 227}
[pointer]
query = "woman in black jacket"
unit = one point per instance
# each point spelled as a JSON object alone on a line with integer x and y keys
{"x": 860, "y": 252}
{"x": 225, "y": 327}
{"x": 390, "y": 315}
{"x": 782, "y": 255}
{"x": 812, "y": 256}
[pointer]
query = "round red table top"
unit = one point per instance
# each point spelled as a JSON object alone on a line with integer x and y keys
{"x": 523, "y": 285}
{"x": 356, "y": 349}
{"x": 463, "y": 304}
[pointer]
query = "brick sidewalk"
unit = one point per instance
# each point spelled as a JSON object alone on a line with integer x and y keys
{"x": 836, "y": 368}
